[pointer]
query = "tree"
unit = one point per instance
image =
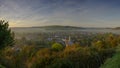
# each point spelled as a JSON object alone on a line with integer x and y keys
{"x": 99, "y": 44}
{"x": 6, "y": 35}
{"x": 57, "y": 47}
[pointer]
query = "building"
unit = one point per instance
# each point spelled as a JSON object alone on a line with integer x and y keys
{"x": 68, "y": 41}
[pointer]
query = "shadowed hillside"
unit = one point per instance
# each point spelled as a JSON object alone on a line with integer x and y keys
{"x": 59, "y": 27}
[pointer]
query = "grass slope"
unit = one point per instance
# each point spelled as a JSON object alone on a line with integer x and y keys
{"x": 113, "y": 62}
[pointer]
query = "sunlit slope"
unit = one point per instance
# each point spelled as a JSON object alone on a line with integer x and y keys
{"x": 113, "y": 62}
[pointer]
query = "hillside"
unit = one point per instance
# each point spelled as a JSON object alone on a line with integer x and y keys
{"x": 59, "y": 27}
{"x": 113, "y": 62}
{"x": 116, "y": 28}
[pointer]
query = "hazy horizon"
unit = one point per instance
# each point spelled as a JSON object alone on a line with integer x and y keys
{"x": 80, "y": 13}
{"x": 59, "y": 25}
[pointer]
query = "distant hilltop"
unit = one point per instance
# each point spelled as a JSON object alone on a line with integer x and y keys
{"x": 58, "y": 27}
{"x": 117, "y": 28}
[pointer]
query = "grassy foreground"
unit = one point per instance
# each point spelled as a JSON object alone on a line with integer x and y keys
{"x": 113, "y": 62}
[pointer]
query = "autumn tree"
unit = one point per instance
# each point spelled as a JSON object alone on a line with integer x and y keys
{"x": 57, "y": 47}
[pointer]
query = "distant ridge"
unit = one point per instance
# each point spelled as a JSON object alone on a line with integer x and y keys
{"x": 59, "y": 27}
{"x": 117, "y": 28}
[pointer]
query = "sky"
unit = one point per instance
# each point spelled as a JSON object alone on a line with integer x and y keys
{"x": 82, "y": 13}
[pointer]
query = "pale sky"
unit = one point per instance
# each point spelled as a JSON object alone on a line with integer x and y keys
{"x": 83, "y": 13}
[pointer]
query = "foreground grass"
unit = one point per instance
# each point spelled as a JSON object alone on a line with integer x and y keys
{"x": 113, "y": 62}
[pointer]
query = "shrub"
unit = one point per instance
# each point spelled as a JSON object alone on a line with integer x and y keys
{"x": 61, "y": 63}
{"x": 41, "y": 59}
{"x": 2, "y": 66}
{"x": 57, "y": 47}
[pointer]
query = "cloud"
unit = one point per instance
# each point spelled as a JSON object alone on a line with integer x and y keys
{"x": 61, "y": 12}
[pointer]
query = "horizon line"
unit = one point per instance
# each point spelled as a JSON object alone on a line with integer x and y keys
{"x": 57, "y": 25}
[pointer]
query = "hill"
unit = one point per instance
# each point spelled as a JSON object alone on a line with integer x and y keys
{"x": 116, "y": 28}
{"x": 113, "y": 62}
{"x": 59, "y": 27}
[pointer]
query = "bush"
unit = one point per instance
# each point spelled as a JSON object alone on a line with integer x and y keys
{"x": 42, "y": 58}
{"x": 1, "y": 66}
{"x": 11, "y": 58}
{"x": 61, "y": 63}
{"x": 57, "y": 47}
